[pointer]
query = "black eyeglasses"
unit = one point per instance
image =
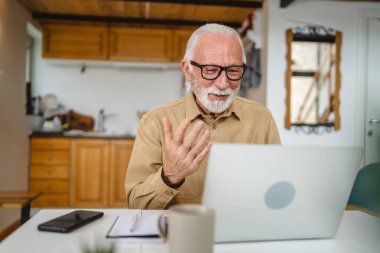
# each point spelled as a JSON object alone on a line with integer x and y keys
{"x": 212, "y": 72}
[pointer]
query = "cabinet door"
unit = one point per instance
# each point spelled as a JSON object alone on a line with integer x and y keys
{"x": 181, "y": 36}
{"x": 89, "y": 173}
{"x": 75, "y": 41}
{"x": 140, "y": 44}
{"x": 120, "y": 153}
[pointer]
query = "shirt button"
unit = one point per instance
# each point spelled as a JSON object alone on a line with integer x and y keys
{"x": 169, "y": 193}
{"x": 213, "y": 126}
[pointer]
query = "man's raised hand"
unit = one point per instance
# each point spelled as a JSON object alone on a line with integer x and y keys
{"x": 183, "y": 155}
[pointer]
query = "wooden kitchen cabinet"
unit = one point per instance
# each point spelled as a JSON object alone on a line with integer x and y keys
{"x": 121, "y": 151}
{"x": 114, "y": 42}
{"x": 140, "y": 44}
{"x": 49, "y": 171}
{"x": 75, "y": 41}
{"x": 180, "y": 38}
{"x": 98, "y": 169}
{"x": 79, "y": 172}
{"x": 89, "y": 173}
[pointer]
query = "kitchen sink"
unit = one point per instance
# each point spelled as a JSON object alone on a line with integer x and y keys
{"x": 99, "y": 134}
{"x": 79, "y": 133}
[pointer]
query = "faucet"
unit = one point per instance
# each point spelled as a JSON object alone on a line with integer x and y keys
{"x": 101, "y": 119}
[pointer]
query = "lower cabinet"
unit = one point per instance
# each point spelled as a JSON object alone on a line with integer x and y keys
{"x": 89, "y": 169}
{"x": 91, "y": 173}
{"x": 121, "y": 151}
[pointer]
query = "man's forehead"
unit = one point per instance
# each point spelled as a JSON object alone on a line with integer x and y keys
{"x": 211, "y": 45}
{"x": 215, "y": 39}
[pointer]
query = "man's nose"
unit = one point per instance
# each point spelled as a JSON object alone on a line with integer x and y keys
{"x": 222, "y": 81}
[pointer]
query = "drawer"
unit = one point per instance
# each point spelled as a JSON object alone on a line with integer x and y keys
{"x": 50, "y": 143}
{"x": 49, "y": 171}
{"x": 49, "y": 186}
{"x": 51, "y": 200}
{"x": 49, "y": 157}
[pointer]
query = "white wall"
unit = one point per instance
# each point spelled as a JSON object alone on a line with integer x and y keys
{"x": 121, "y": 91}
{"x": 343, "y": 16}
{"x": 13, "y": 123}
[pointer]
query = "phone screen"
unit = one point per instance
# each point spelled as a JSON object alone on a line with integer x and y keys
{"x": 70, "y": 221}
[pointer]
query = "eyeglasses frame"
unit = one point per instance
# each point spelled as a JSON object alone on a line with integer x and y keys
{"x": 201, "y": 66}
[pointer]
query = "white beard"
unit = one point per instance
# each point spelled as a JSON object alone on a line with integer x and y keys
{"x": 217, "y": 106}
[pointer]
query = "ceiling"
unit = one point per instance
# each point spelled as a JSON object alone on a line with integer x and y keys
{"x": 169, "y": 12}
{"x": 150, "y": 12}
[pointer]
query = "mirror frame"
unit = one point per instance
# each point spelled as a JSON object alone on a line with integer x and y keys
{"x": 288, "y": 76}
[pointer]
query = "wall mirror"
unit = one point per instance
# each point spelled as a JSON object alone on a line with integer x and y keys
{"x": 313, "y": 79}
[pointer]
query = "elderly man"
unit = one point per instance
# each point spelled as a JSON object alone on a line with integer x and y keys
{"x": 169, "y": 156}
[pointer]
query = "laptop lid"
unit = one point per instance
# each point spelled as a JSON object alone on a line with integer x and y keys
{"x": 273, "y": 192}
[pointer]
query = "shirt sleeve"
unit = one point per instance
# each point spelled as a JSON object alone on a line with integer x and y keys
{"x": 144, "y": 186}
{"x": 273, "y": 137}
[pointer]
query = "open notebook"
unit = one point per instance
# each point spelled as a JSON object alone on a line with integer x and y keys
{"x": 135, "y": 228}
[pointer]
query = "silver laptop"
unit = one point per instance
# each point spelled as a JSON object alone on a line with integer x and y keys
{"x": 273, "y": 192}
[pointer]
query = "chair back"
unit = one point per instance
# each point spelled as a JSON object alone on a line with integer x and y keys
{"x": 365, "y": 193}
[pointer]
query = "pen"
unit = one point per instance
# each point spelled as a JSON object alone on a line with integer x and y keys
{"x": 134, "y": 222}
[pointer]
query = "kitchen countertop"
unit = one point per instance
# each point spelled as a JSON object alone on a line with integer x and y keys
{"x": 90, "y": 135}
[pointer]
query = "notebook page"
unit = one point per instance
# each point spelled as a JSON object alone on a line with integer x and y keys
{"x": 145, "y": 226}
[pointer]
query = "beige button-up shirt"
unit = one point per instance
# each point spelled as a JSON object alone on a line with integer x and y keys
{"x": 243, "y": 122}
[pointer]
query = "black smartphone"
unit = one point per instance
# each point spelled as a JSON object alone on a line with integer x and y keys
{"x": 69, "y": 222}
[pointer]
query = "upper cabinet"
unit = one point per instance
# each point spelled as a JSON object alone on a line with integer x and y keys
{"x": 75, "y": 41}
{"x": 114, "y": 42}
{"x": 136, "y": 44}
{"x": 180, "y": 38}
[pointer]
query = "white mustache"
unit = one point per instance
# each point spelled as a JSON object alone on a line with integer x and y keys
{"x": 216, "y": 91}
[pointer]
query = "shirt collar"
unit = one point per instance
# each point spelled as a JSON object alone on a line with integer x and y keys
{"x": 233, "y": 109}
{"x": 193, "y": 110}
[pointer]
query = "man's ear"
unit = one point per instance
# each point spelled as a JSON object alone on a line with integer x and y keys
{"x": 186, "y": 70}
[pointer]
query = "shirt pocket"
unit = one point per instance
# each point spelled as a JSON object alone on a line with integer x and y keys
{"x": 190, "y": 188}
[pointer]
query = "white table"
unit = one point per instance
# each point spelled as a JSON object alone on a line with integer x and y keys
{"x": 358, "y": 233}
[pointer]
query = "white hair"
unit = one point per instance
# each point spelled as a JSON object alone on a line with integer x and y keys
{"x": 211, "y": 29}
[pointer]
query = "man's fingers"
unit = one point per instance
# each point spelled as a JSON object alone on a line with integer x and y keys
{"x": 167, "y": 129}
{"x": 184, "y": 156}
{"x": 201, "y": 156}
{"x": 193, "y": 135}
{"x": 199, "y": 146}
{"x": 180, "y": 132}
